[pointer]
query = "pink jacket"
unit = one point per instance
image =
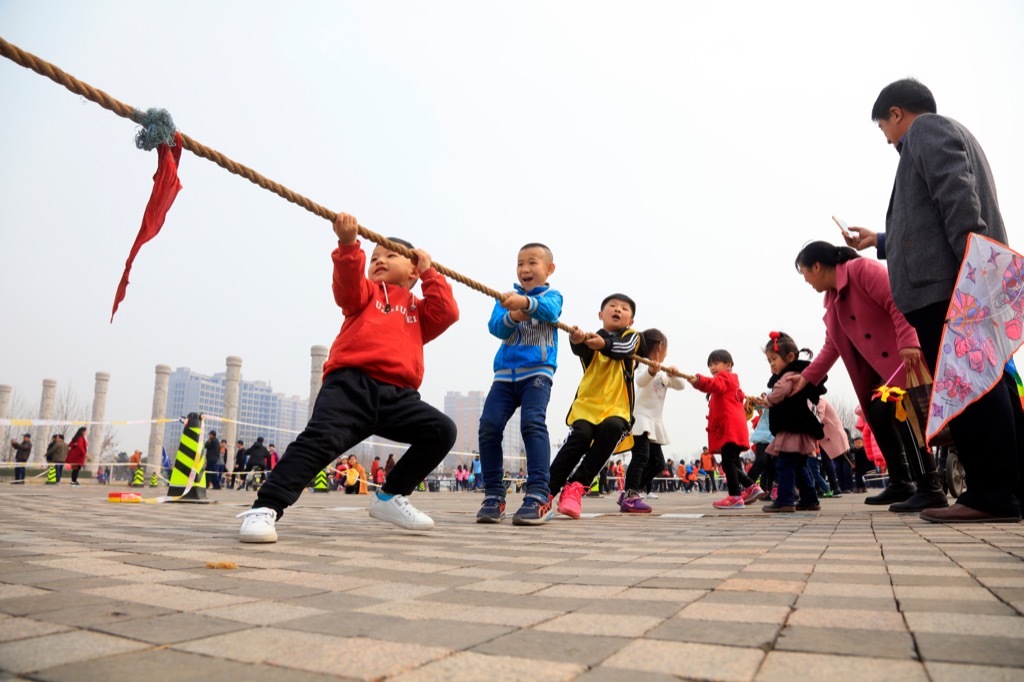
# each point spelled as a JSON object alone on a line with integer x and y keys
{"x": 864, "y": 328}
{"x": 835, "y": 442}
{"x": 800, "y": 443}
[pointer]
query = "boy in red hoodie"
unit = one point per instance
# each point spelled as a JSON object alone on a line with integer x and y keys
{"x": 370, "y": 382}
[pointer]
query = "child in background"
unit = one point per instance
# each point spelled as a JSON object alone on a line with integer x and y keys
{"x": 602, "y": 412}
{"x": 649, "y": 429}
{"x": 795, "y": 426}
{"x": 727, "y": 427}
{"x": 707, "y": 467}
{"x": 833, "y": 447}
{"x": 524, "y": 366}
{"x": 369, "y": 387}
{"x": 764, "y": 466}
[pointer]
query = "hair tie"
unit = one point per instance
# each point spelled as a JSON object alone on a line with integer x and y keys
{"x": 774, "y": 336}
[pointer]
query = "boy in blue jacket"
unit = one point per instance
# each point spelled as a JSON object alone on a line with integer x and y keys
{"x": 523, "y": 369}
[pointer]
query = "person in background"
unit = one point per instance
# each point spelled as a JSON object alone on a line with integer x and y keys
{"x": 238, "y": 476}
{"x": 22, "y": 452}
{"x": 77, "y": 450}
{"x": 134, "y": 462}
{"x": 355, "y": 476}
{"x": 257, "y": 461}
{"x": 213, "y": 462}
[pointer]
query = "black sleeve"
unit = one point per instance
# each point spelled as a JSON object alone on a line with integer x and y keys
{"x": 621, "y": 345}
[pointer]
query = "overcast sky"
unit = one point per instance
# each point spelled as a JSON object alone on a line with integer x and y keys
{"x": 681, "y": 153}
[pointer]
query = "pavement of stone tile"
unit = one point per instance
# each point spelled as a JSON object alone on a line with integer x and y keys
{"x": 91, "y": 590}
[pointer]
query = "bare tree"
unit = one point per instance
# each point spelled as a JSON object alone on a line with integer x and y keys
{"x": 69, "y": 407}
{"x": 845, "y": 410}
{"x": 19, "y": 410}
{"x": 110, "y": 444}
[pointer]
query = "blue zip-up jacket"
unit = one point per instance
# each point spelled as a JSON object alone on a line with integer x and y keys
{"x": 528, "y": 348}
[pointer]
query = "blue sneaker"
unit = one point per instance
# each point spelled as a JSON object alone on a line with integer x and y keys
{"x": 533, "y": 512}
{"x": 491, "y": 511}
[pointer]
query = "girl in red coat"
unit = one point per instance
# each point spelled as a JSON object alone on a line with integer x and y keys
{"x": 76, "y": 454}
{"x": 727, "y": 427}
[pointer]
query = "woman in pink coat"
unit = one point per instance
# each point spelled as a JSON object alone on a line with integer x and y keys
{"x": 877, "y": 344}
{"x": 76, "y": 453}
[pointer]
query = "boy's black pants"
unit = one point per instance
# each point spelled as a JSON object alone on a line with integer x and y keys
{"x": 350, "y": 408}
{"x": 591, "y": 443}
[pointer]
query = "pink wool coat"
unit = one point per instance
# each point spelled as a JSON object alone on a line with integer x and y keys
{"x": 727, "y": 419}
{"x": 864, "y": 328}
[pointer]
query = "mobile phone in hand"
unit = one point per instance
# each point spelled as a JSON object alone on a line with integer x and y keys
{"x": 843, "y": 227}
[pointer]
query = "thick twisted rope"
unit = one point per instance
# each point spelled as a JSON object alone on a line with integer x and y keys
{"x": 44, "y": 68}
{"x": 61, "y": 77}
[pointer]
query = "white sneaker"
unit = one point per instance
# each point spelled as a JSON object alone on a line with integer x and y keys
{"x": 399, "y": 511}
{"x": 258, "y": 525}
{"x": 651, "y": 496}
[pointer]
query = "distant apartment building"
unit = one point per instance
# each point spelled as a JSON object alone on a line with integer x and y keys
{"x": 275, "y": 416}
{"x": 465, "y": 411}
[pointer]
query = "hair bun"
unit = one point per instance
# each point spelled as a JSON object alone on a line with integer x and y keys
{"x": 774, "y": 336}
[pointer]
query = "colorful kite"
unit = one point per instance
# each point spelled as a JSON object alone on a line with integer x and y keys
{"x": 984, "y": 328}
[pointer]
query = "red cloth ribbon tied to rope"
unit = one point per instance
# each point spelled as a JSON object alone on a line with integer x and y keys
{"x": 165, "y": 189}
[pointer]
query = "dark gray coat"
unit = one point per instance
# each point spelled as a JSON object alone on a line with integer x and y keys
{"x": 57, "y": 452}
{"x": 22, "y": 450}
{"x": 943, "y": 191}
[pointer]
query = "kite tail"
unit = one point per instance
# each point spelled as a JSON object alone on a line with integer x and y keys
{"x": 1012, "y": 369}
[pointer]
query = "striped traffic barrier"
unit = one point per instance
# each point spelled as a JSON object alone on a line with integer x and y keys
{"x": 188, "y": 475}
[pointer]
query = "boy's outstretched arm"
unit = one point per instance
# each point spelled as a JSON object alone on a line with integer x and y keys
{"x": 619, "y": 347}
{"x": 546, "y": 306}
{"x": 507, "y": 314}
{"x": 438, "y": 309}
{"x": 346, "y": 227}
{"x": 352, "y": 290}
{"x": 502, "y": 323}
{"x": 578, "y": 345}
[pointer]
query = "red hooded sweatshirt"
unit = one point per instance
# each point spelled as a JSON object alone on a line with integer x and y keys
{"x": 385, "y": 324}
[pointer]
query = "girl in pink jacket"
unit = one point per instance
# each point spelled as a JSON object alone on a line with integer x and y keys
{"x": 794, "y": 423}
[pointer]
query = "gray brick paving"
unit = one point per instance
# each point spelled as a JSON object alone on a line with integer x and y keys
{"x": 91, "y": 590}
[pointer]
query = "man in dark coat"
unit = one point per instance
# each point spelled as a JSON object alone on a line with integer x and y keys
{"x": 943, "y": 192}
{"x": 239, "y": 469}
{"x": 22, "y": 451}
{"x": 213, "y": 463}
{"x": 257, "y": 459}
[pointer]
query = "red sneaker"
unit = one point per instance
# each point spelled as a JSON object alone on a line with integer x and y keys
{"x": 752, "y": 493}
{"x": 729, "y": 502}
{"x": 570, "y": 502}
